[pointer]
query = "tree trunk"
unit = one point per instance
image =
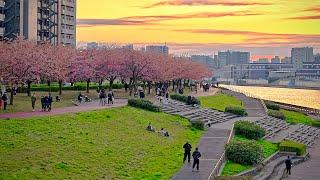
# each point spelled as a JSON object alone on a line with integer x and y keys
{"x": 49, "y": 84}
{"x": 149, "y": 86}
{"x": 88, "y": 85}
{"x": 110, "y": 84}
{"x": 29, "y": 88}
{"x": 173, "y": 83}
{"x": 11, "y": 96}
{"x": 60, "y": 87}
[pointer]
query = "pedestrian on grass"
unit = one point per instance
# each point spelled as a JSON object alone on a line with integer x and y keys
{"x": 5, "y": 101}
{"x": 33, "y": 101}
{"x": 196, "y": 155}
{"x": 187, "y": 151}
{"x": 288, "y": 163}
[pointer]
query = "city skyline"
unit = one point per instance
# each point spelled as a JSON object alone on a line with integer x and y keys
{"x": 265, "y": 28}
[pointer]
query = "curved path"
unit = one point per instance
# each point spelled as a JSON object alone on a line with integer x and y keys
{"x": 73, "y": 109}
{"x": 309, "y": 170}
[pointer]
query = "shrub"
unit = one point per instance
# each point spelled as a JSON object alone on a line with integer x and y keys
{"x": 179, "y": 97}
{"x": 292, "y": 146}
{"x": 315, "y": 123}
{"x": 143, "y": 104}
{"x": 244, "y": 152}
{"x": 187, "y": 99}
{"x": 272, "y": 106}
{"x": 236, "y": 110}
{"x": 249, "y": 130}
{"x": 197, "y": 125}
{"x": 276, "y": 114}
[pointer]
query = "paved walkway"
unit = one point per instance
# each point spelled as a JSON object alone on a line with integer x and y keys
{"x": 309, "y": 170}
{"x": 253, "y": 106}
{"x": 211, "y": 147}
{"x": 200, "y": 93}
{"x": 73, "y": 109}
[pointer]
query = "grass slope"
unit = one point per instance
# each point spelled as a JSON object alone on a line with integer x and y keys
{"x": 220, "y": 101}
{"x": 232, "y": 168}
{"x": 296, "y": 117}
{"x": 109, "y": 144}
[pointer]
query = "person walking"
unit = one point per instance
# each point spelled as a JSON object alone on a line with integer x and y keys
{"x": 42, "y": 103}
{"x": 49, "y": 102}
{"x": 288, "y": 163}
{"x": 187, "y": 151}
{"x": 5, "y": 101}
{"x": 196, "y": 155}
{"x": 33, "y": 101}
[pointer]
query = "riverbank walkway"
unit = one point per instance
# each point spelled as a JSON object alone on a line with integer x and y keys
{"x": 73, "y": 109}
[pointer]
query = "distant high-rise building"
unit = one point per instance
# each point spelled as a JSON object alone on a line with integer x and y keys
{"x": 92, "y": 45}
{"x": 317, "y": 58}
{"x": 224, "y": 58}
{"x": 203, "y": 59}
{"x": 53, "y": 21}
{"x": 286, "y": 60}
{"x": 238, "y": 57}
{"x": 301, "y": 55}
{"x": 1, "y": 19}
{"x": 233, "y": 57}
{"x": 276, "y": 59}
{"x": 158, "y": 49}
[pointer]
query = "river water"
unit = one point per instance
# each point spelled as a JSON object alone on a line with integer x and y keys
{"x": 301, "y": 97}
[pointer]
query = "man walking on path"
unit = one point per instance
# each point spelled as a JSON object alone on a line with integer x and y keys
{"x": 187, "y": 151}
{"x": 196, "y": 155}
{"x": 288, "y": 163}
{"x": 33, "y": 101}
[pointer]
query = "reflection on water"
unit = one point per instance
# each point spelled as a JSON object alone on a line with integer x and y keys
{"x": 300, "y": 97}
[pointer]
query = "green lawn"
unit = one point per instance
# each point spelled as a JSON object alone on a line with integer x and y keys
{"x": 296, "y": 117}
{"x": 231, "y": 168}
{"x": 104, "y": 144}
{"x": 220, "y": 101}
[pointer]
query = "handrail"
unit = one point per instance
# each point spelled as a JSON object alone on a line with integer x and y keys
{"x": 217, "y": 167}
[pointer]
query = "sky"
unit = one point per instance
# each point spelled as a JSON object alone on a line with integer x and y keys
{"x": 263, "y": 27}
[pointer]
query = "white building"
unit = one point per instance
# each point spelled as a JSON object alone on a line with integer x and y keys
{"x": 276, "y": 59}
{"x": 301, "y": 55}
{"x": 203, "y": 59}
{"x": 286, "y": 60}
{"x": 233, "y": 58}
{"x": 41, "y": 20}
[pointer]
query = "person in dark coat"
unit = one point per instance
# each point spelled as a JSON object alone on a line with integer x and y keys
{"x": 46, "y": 103}
{"x": 288, "y": 163}
{"x": 5, "y": 101}
{"x": 42, "y": 103}
{"x": 187, "y": 151}
{"x": 49, "y": 102}
{"x": 196, "y": 155}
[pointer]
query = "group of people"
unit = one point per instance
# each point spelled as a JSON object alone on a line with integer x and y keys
{"x": 195, "y": 155}
{"x": 82, "y": 98}
{"x": 162, "y": 132}
{"x": 46, "y": 102}
{"x": 3, "y": 100}
{"x": 106, "y": 98}
{"x": 162, "y": 92}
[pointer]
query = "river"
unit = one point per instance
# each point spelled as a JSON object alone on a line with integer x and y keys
{"x": 301, "y": 97}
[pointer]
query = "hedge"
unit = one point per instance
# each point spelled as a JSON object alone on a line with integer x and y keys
{"x": 315, "y": 123}
{"x": 236, "y": 110}
{"x": 244, "y": 152}
{"x": 143, "y": 104}
{"x": 292, "y": 146}
{"x": 68, "y": 88}
{"x": 197, "y": 125}
{"x": 277, "y": 114}
{"x": 249, "y": 129}
{"x": 187, "y": 99}
{"x": 272, "y": 106}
